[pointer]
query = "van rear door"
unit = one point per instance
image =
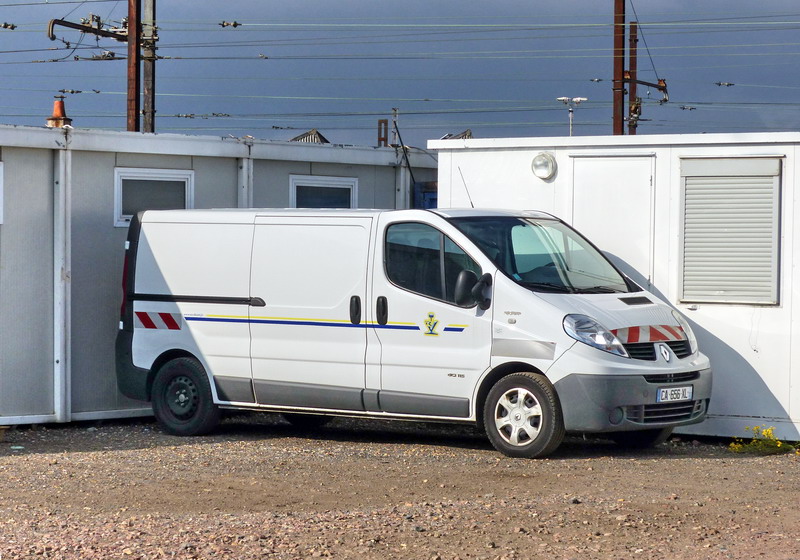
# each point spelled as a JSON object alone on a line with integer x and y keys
{"x": 308, "y": 343}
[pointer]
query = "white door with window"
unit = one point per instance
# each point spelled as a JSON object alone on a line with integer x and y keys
{"x": 431, "y": 351}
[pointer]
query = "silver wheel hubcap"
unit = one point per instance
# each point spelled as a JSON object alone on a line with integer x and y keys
{"x": 518, "y": 417}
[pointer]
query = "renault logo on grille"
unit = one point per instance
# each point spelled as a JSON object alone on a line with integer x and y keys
{"x": 664, "y": 352}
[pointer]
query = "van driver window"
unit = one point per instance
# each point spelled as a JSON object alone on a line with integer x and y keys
{"x": 421, "y": 259}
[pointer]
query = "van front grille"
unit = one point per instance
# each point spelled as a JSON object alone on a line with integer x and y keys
{"x": 647, "y": 350}
{"x": 681, "y": 348}
{"x": 641, "y": 350}
{"x": 664, "y": 413}
{"x": 672, "y": 377}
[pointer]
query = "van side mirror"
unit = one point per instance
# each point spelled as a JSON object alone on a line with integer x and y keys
{"x": 469, "y": 289}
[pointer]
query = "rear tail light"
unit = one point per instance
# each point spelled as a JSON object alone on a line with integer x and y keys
{"x": 124, "y": 287}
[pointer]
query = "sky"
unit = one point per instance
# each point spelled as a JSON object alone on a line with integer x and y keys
{"x": 495, "y": 68}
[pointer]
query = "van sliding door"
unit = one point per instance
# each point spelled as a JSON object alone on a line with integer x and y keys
{"x": 308, "y": 343}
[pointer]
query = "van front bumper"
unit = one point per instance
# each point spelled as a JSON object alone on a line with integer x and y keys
{"x": 612, "y": 403}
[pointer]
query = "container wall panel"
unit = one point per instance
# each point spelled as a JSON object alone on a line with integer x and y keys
{"x": 271, "y": 181}
{"x": 26, "y": 284}
{"x": 215, "y": 182}
{"x": 97, "y": 257}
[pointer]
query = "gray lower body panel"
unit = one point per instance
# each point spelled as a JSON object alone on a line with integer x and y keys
{"x": 611, "y": 403}
{"x": 424, "y": 405}
{"x": 337, "y": 399}
{"x": 234, "y": 389}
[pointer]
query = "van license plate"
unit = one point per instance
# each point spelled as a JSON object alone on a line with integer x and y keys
{"x": 674, "y": 394}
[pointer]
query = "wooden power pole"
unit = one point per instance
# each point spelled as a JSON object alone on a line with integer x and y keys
{"x": 134, "y": 61}
{"x": 149, "y": 38}
{"x": 137, "y": 41}
{"x": 618, "y": 84}
{"x": 634, "y": 103}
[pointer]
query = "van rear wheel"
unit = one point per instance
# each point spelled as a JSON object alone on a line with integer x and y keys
{"x": 182, "y": 399}
{"x": 523, "y": 417}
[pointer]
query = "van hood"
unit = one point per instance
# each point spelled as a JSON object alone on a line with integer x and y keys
{"x": 615, "y": 311}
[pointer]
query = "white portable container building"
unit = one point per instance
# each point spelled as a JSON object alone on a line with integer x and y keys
{"x": 705, "y": 221}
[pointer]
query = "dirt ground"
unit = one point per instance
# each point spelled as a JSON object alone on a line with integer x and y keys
{"x": 260, "y": 488}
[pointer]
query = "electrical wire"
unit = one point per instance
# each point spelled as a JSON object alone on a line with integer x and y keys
{"x": 54, "y": 2}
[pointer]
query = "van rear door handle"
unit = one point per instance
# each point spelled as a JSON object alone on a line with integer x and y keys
{"x": 382, "y": 310}
{"x": 355, "y": 310}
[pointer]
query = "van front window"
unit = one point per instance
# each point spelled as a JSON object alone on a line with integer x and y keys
{"x": 543, "y": 255}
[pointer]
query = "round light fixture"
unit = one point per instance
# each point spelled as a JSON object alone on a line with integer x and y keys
{"x": 544, "y": 166}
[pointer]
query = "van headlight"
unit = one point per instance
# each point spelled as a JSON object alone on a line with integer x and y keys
{"x": 684, "y": 324}
{"x": 587, "y": 330}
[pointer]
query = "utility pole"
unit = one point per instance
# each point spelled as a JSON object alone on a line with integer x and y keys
{"x": 618, "y": 85}
{"x": 623, "y": 78}
{"x": 134, "y": 62}
{"x": 395, "y": 111}
{"x": 149, "y": 38}
{"x": 634, "y": 103}
{"x": 136, "y": 40}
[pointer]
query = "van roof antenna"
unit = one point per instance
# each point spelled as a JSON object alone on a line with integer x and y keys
{"x": 465, "y": 187}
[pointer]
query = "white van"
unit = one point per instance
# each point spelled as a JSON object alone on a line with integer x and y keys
{"x": 508, "y": 320}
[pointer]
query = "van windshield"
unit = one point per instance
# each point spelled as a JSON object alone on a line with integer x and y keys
{"x": 543, "y": 255}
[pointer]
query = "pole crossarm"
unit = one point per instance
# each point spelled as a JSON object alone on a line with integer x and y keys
{"x": 661, "y": 85}
{"x": 85, "y": 28}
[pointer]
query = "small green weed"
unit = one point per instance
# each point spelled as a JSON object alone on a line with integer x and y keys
{"x": 763, "y": 442}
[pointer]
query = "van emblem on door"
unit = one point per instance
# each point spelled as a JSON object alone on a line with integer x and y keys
{"x": 664, "y": 351}
{"x": 430, "y": 323}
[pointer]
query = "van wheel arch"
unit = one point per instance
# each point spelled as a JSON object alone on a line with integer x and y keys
{"x": 164, "y": 358}
{"x": 492, "y": 378}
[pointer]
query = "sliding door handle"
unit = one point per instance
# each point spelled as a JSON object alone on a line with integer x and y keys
{"x": 355, "y": 310}
{"x": 382, "y": 311}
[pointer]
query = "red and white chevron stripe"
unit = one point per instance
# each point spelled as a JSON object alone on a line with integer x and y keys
{"x": 649, "y": 333}
{"x": 149, "y": 320}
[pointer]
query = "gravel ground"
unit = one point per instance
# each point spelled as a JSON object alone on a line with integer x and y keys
{"x": 259, "y": 488}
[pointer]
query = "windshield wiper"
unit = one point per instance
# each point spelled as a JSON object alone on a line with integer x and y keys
{"x": 547, "y": 286}
{"x": 598, "y": 290}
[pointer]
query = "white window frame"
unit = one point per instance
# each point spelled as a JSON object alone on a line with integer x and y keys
{"x": 122, "y": 173}
{"x": 322, "y": 181}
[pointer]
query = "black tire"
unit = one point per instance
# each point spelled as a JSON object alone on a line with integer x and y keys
{"x": 306, "y": 421}
{"x": 182, "y": 400}
{"x": 522, "y": 416}
{"x": 641, "y": 439}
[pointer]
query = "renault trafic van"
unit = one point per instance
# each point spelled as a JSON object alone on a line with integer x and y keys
{"x": 508, "y": 320}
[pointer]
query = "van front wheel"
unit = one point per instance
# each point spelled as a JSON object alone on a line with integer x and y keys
{"x": 523, "y": 417}
{"x": 182, "y": 400}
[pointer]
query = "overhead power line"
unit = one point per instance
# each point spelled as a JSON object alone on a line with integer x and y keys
{"x": 54, "y": 2}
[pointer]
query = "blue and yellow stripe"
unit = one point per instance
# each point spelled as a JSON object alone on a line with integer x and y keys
{"x": 306, "y": 322}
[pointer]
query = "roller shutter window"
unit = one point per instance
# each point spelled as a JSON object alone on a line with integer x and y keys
{"x": 731, "y": 230}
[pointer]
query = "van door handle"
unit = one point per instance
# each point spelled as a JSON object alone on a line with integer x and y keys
{"x": 355, "y": 310}
{"x": 382, "y": 310}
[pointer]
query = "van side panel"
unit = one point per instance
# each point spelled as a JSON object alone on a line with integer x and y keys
{"x": 312, "y": 275}
{"x": 192, "y": 293}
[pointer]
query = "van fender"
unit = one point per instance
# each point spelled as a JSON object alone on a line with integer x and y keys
{"x": 492, "y": 376}
{"x": 170, "y": 355}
